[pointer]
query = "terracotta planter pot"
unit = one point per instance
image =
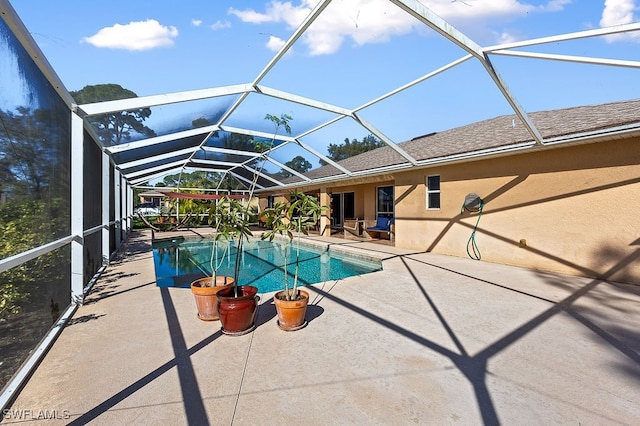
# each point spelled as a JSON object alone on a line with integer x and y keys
{"x": 207, "y": 297}
{"x": 237, "y": 312}
{"x": 291, "y": 312}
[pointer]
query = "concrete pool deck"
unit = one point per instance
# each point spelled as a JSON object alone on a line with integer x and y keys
{"x": 431, "y": 339}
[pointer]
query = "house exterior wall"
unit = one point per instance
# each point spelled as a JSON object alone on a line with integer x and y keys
{"x": 578, "y": 208}
{"x": 360, "y": 199}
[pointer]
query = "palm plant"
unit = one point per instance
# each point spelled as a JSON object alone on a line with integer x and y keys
{"x": 227, "y": 216}
{"x": 292, "y": 220}
{"x": 237, "y": 305}
{"x": 264, "y": 148}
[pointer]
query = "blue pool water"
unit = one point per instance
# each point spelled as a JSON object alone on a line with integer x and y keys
{"x": 179, "y": 262}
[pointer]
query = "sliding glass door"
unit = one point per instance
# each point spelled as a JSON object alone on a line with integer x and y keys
{"x": 342, "y": 207}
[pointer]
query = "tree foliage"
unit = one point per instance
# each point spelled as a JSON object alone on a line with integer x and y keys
{"x": 197, "y": 179}
{"x": 30, "y": 154}
{"x": 117, "y": 127}
{"x": 352, "y": 147}
{"x": 22, "y": 228}
{"x": 298, "y": 163}
{"x": 201, "y": 180}
{"x": 34, "y": 200}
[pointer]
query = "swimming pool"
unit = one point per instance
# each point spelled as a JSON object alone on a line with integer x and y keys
{"x": 179, "y": 262}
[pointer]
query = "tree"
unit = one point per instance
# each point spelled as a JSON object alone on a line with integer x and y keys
{"x": 353, "y": 147}
{"x": 114, "y": 128}
{"x": 201, "y": 122}
{"x": 298, "y": 163}
{"x": 30, "y": 158}
{"x": 197, "y": 179}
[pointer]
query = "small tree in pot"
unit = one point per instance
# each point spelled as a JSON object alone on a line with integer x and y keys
{"x": 298, "y": 216}
{"x": 225, "y": 216}
{"x": 237, "y": 305}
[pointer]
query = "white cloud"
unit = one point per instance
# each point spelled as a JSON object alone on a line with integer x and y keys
{"x": 506, "y": 37}
{"x": 276, "y": 11}
{"x": 140, "y": 35}
{"x": 377, "y": 21}
{"x": 618, "y": 12}
{"x": 196, "y": 22}
{"x": 275, "y": 43}
{"x": 219, "y": 25}
{"x": 556, "y": 5}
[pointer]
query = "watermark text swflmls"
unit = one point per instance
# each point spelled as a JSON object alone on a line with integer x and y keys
{"x": 28, "y": 414}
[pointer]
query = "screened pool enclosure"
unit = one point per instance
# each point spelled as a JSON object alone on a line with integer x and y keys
{"x": 66, "y": 182}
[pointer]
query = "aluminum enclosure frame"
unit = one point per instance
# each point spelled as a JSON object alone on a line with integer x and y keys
{"x": 412, "y": 7}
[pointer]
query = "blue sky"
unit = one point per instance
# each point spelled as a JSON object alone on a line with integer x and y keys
{"x": 358, "y": 51}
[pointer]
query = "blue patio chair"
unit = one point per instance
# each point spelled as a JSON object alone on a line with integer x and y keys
{"x": 383, "y": 224}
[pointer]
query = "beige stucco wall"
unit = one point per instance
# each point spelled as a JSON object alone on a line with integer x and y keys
{"x": 578, "y": 208}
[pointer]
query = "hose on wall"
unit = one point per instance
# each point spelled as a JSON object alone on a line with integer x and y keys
{"x": 473, "y": 204}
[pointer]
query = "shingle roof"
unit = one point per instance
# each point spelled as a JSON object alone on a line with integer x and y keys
{"x": 493, "y": 133}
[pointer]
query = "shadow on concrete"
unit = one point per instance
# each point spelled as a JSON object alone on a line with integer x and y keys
{"x": 474, "y": 367}
{"x": 192, "y": 398}
{"x": 101, "y": 292}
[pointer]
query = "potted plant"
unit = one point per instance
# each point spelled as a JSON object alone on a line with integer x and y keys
{"x": 297, "y": 216}
{"x": 237, "y": 304}
{"x": 205, "y": 290}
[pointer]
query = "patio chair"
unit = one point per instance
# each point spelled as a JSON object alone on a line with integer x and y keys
{"x": 383, "y": 226}
{"x": 354, "y": 230}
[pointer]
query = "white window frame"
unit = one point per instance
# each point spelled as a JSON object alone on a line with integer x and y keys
{"x": 432, "y": 191}
{"x": 393, "y": 204}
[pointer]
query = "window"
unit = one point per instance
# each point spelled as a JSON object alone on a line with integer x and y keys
{"x": 384, "y": 205}
{"x": 433, "y": 192}
{"x": 270, "y": 199}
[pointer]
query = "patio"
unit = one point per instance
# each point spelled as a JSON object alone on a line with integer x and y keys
{"x": 429, "y": 340}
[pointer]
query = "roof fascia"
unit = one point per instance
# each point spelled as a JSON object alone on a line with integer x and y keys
{"x": 628, "y": 130}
